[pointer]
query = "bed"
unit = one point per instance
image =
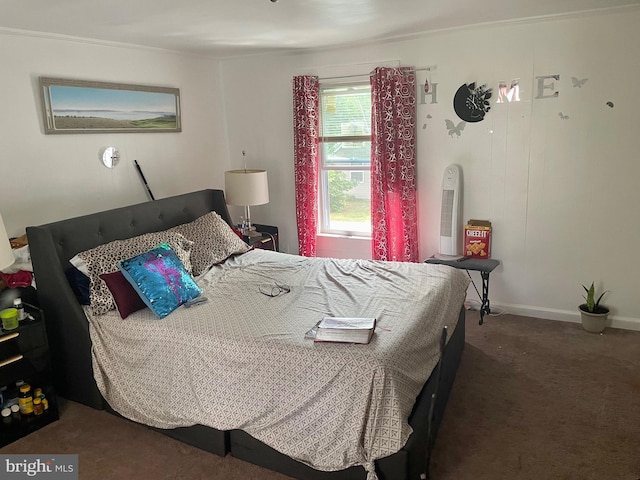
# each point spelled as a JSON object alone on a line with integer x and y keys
{"x": 391, "y": 403}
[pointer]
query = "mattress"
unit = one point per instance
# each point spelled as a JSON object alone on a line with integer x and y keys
{"x": 241, "y": 360}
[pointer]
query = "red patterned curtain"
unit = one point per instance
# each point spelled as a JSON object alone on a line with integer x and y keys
{"x": 306, "y": 94}
{"x": 393, "y": 165}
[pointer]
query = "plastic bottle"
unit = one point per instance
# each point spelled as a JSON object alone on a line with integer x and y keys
{"x": 25, "y": 400}
{"x": 38, "y": 408}
{"x": 17, "y": 304}
{"x": 11, "y": 394}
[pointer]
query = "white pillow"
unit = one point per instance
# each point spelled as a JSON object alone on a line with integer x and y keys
{"x": 80, "y": 264}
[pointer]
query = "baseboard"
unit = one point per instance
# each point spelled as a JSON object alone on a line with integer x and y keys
{"x": 613, "y": 321}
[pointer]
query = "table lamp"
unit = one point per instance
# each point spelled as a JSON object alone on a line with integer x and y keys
{"x": 246, "y": 187}
{"x": 6, "y": 252}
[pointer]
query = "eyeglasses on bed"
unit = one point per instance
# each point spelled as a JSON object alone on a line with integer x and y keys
{"x": 274, "y": 290}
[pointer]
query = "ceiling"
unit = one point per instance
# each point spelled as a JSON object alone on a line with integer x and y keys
{"x": 224, "y": 28}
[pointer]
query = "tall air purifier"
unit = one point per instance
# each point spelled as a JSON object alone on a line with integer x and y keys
{"x": 451, "y": 214}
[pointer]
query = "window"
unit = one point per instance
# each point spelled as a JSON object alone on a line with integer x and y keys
{"x": 357, "y": 176}
{"x": 345, "y": 159}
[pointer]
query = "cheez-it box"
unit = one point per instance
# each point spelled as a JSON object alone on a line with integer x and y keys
{"x": 477, "y": 239}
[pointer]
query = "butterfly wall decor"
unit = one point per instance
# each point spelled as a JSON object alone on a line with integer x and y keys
{"x": 455, "y": 129}
{"x": 424, "y": 125}
{"x": 578, "y": 82}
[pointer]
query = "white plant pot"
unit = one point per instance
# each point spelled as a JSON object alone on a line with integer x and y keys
{"x": 594, "y": 322}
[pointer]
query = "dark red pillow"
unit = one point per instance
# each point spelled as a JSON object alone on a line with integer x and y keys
{"x": 124, "y": 295}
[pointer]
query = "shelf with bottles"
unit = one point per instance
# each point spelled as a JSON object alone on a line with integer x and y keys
{"x": 24, "y": 359}
{"x": 25, "y": 409}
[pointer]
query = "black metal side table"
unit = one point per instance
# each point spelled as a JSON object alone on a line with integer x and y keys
{"x": 484, "y": 266}
{"x": 267, "y": 238}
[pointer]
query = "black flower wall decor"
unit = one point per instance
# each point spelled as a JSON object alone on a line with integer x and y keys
{"x": 471, "y": 103}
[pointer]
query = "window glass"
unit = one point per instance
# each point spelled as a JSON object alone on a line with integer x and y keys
{"x": 345, "y": 188}
{"x": 357, "y": 176}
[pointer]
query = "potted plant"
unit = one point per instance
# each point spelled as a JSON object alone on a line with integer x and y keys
{"x": 594, "y": 315}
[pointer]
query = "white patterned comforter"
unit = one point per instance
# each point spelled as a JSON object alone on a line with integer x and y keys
{"x": 240, "y": 361}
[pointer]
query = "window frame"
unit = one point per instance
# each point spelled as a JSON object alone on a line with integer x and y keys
{"x": 323, "y": 187}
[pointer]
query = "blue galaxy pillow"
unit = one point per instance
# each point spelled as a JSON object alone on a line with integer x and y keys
{"x": 160, "y": 279}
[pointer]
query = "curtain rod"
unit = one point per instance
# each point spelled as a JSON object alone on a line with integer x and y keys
{"x": 419, "y": 69}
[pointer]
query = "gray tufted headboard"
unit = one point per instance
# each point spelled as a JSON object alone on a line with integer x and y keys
{"x": 52, "y": 246}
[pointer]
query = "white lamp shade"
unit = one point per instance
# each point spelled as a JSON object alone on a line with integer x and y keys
{"x": 246, "y": 187}
{"x": 6, "y": 253}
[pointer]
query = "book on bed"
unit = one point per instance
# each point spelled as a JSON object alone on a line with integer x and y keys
{"x": 345, "y": 329}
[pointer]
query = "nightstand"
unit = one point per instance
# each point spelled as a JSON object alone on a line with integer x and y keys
{"x": 268, "y": 240}
{"x": 24, "y": 355}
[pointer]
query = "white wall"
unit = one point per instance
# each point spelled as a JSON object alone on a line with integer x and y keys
{"x": 544, "y": 182}
{"x": 562, "y": 194}
{"x": 51, "y": 177}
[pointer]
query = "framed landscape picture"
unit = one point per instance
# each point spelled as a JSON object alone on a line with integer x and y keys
{"x": 78, "y": 106}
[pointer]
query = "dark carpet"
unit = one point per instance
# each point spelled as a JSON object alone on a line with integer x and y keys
{"x": 533, "y": 399}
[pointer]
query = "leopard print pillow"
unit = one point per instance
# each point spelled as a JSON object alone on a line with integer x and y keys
{"x": 105, "y": 258}
{"x": 214, "y": 241}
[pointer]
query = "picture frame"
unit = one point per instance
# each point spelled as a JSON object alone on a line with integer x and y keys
{"x": 80, "y": 106}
